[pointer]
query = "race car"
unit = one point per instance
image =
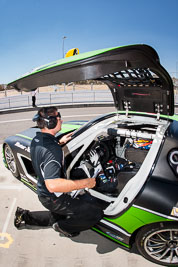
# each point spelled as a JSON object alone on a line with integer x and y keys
{"x": 133, "y": 152}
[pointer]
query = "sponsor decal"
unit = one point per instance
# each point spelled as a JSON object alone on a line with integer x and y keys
{"x": 174, "y": 211}
{"x": 115, "y": 236}
{"x": 26, "y": 148}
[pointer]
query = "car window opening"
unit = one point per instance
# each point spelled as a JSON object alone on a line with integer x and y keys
{"x": 120, "y": 150}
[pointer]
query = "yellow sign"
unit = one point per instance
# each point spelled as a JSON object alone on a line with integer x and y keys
{"x": 8, "y": 242}
{"x": 72, "y": 52}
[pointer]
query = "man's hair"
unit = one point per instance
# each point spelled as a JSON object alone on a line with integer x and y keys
{"x": 44, "y": 113}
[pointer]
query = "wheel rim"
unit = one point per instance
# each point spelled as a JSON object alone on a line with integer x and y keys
{"x": 162, "y": 245}
{"x": 10, "y": 160}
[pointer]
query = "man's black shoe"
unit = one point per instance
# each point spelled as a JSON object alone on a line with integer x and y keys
{"x": 19, "y": 217}
{"x": 64, "y": 233}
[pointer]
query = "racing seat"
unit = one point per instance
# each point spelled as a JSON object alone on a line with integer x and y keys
{"x": 135, "y": 158}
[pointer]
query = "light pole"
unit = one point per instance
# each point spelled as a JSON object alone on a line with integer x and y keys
{"x": 63, "y": 38}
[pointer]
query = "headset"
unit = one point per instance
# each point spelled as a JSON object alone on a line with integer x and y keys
{"x": 50, "y": 121}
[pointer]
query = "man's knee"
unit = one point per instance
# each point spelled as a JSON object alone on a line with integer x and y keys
{"x": 95, "y": 214}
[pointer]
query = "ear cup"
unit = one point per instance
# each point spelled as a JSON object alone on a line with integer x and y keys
{"x": 51, "y": 122}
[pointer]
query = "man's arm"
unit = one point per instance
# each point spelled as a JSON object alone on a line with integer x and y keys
{"x": 64, "y": 185}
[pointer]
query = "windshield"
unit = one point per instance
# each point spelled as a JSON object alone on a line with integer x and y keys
{"x": 91, "y": 123}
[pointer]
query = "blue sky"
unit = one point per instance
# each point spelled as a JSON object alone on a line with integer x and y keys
{"x": 31, "y": 31}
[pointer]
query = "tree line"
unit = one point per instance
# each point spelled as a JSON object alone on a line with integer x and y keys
{"x": 7, "y": 87}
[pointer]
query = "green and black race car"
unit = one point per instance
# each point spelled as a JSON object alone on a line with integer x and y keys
{"x": 137, "y": 146}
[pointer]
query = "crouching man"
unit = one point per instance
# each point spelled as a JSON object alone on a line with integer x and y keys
{"x": 67, "y": 215}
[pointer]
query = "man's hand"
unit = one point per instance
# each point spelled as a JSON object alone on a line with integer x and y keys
{"x": 90, "y": 182}
{"x": 65, "y": 139}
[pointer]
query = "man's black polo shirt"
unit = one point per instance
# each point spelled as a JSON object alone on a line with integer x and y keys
{"x": 47, "y": 160}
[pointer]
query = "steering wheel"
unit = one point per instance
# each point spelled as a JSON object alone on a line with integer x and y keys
{"x": 104, "y": 152}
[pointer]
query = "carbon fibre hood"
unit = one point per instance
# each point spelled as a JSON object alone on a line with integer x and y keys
{"x": 133, "y": 73}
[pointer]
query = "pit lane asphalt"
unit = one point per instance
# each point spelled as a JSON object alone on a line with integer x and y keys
{"x": 41, "y": 247}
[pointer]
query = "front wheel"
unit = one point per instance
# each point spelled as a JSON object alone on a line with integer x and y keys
{"x": 11, "y": 162}
{"x": 159, "y": 243}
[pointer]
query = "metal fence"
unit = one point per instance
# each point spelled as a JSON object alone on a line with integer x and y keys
{"x": 22, "y": 100}
{"x": 60, "y": 98}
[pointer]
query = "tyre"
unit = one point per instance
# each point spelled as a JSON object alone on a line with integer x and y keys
{"x": 159, "y": 243}
{"x": 11, "y": 162}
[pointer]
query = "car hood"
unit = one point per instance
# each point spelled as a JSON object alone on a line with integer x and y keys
{"x": 67, "y": 126}
{"x": 133, "y": 73}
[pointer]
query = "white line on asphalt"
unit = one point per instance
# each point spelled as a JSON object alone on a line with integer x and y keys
{"x": 12, "y": 187}
{"x": 8, "y": 218}
{"x": 70, "y": 116}
{"x": 15, "y": 120}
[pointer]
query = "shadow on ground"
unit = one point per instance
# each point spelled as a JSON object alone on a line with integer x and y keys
{"x": 104, "y": 245}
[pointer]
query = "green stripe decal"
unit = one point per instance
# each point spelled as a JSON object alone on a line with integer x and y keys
{"x": 68, "y": 60}
{"x": 135, "y": 218}
{"x": 67, "y": 128}
{"x": 4, "y": 159}
{"x": 174, "y": 117}
{"x": 29, "y": 184}
{"x": 64, "y": 129}
{"x": 24, "y": 136}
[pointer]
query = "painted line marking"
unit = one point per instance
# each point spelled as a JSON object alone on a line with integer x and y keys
{"x": 15, "y": 120}
{"x": 69, "y": 116}
{"x": 12, "y": 187}
{"x": 8, "y": 219}
{"x": 9, "y": 240}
